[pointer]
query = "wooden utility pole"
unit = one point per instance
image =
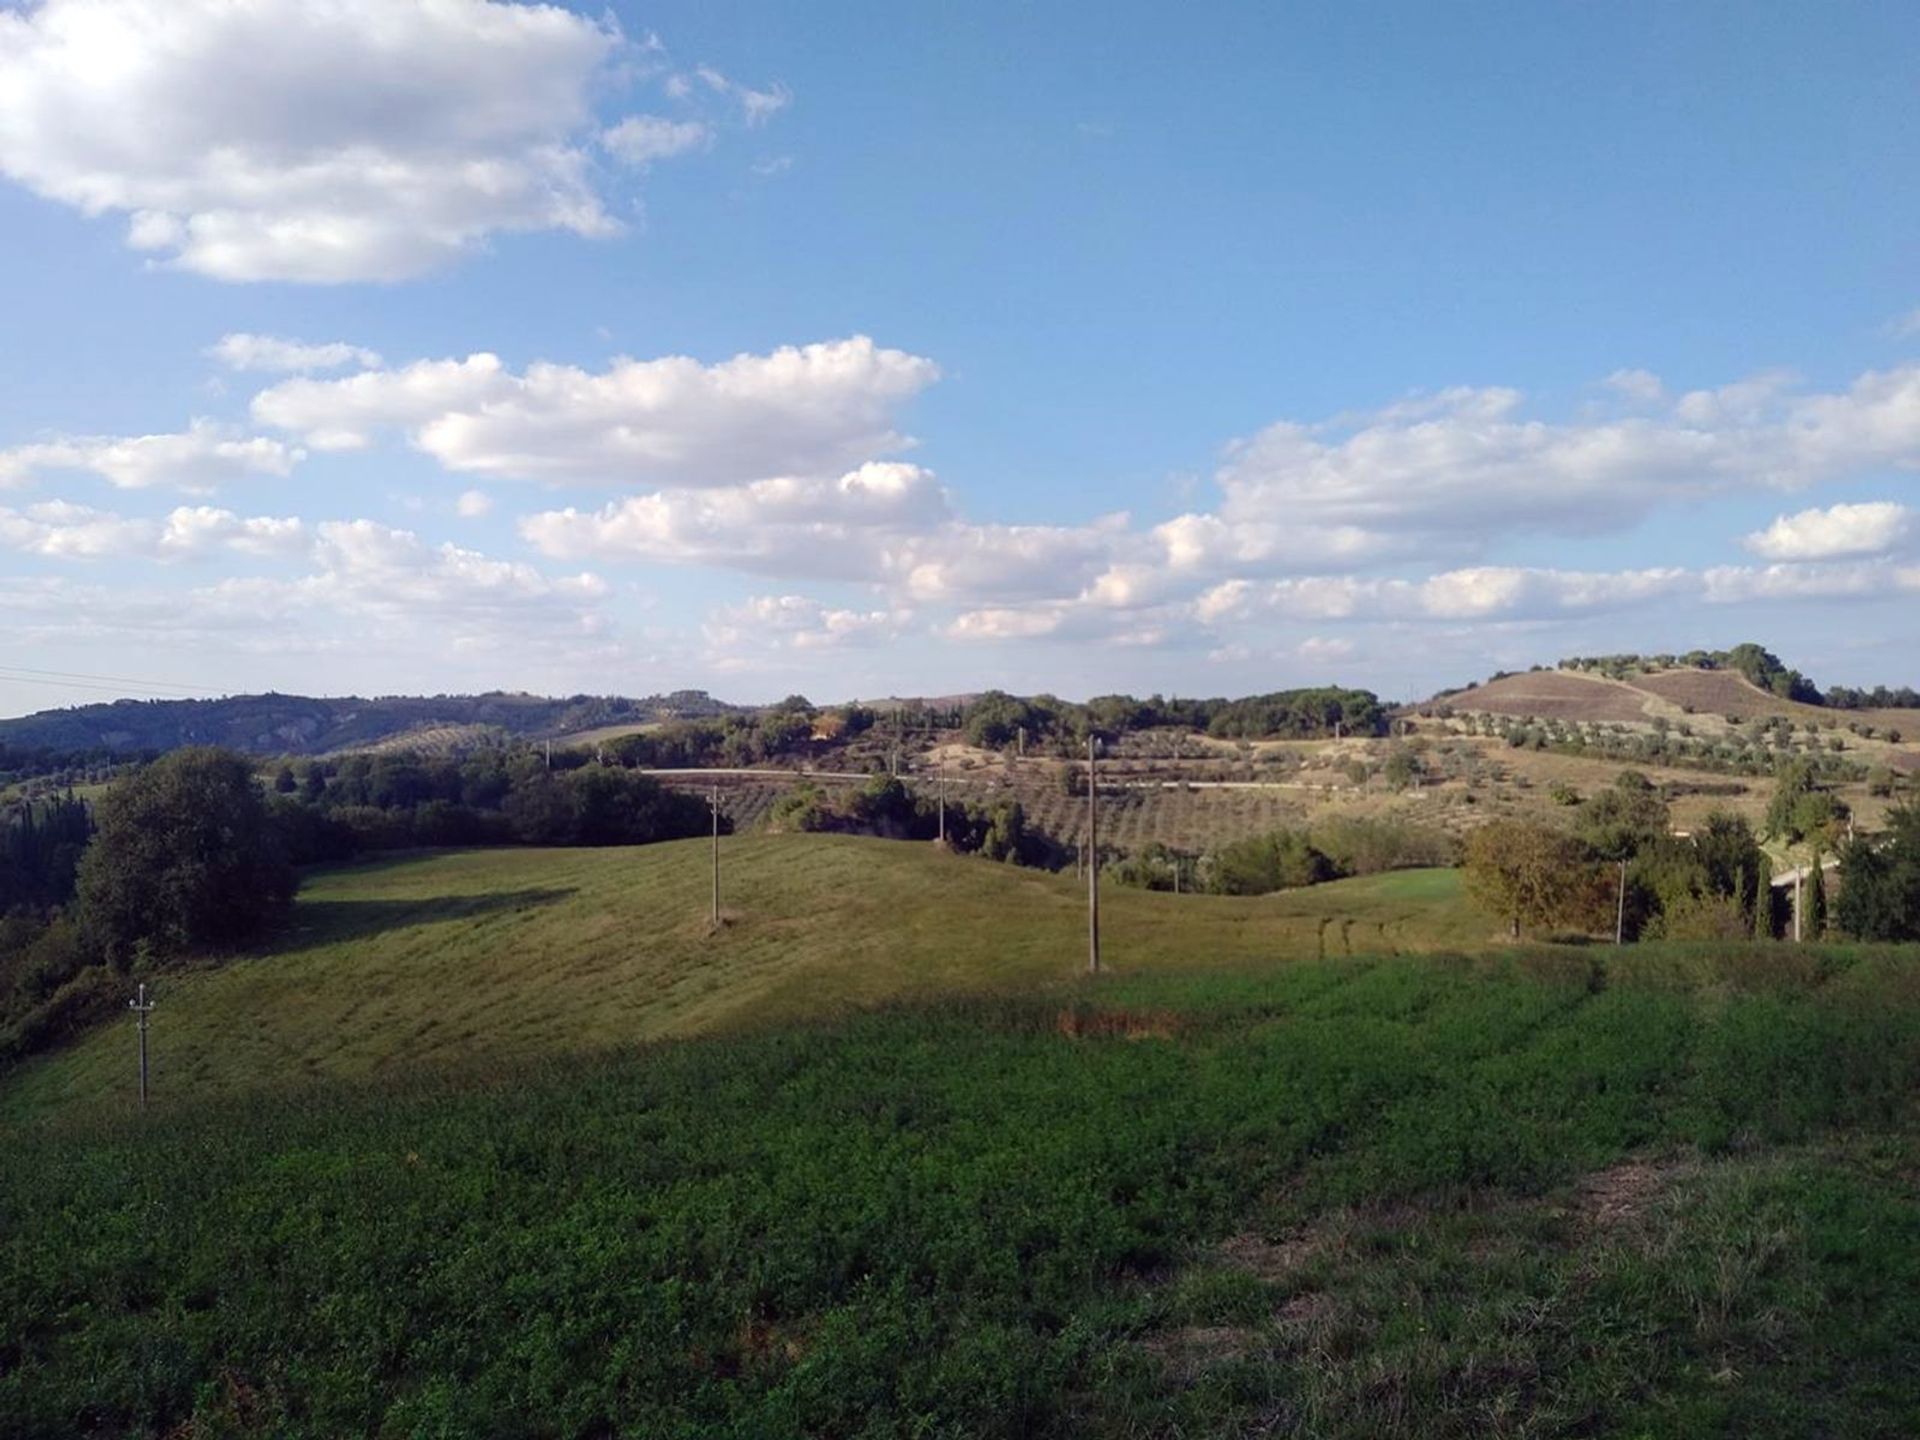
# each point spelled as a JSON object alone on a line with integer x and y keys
{"x": 142, "y": 1007}
{"x": 715, "y": 801}
{"x": 1620, "y": 914}
{"x": 1093, "y": 857}
{"x": 943, "y": 802}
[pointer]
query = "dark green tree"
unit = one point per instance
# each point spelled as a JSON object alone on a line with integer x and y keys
{"x": 1880, "y": 882}
{"x": 185, "y": 858}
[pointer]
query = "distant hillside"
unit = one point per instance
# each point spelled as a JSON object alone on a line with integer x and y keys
{"x": 303, "y": 725}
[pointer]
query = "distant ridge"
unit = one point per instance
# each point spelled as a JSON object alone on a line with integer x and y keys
{"x": 274, "y": 724}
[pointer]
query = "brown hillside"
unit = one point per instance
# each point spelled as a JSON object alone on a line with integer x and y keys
{"x": 1720, "y": 692}
{"x": 1556, "y": 695}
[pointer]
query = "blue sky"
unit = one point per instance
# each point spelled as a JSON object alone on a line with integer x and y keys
{"x": 864, "y": 349}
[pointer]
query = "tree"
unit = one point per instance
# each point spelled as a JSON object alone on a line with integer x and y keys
{"x": 1624, "y": 819}
{"x": 1620, "y": 824}
{"x": 185, "y": 858}
{"x": 1536, "y": 878}
{"x": 1800, "y": 809}
{"x": 1261, "y": 864}
{"x": 1880, "y": 882}
{"x": 1816, "y": 925}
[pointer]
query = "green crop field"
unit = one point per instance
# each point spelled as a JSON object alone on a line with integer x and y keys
{"x": 437, "y": 960}
{"x": 1338, "y": 1198}
{"x": 505, "y": 1143}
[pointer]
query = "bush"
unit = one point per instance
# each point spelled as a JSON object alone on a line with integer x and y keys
{"x": 1284, "y": 860}
{"x": 1372, "y": 847}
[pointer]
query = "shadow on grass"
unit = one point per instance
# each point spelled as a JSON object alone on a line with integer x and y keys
{"x": 331, "y": 922}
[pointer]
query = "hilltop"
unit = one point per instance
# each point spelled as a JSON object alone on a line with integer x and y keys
{"x": 274, "y": 724}
{"x": 1700, "y": 703}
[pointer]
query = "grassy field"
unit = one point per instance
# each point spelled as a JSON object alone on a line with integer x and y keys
{"x": 1422, "y": 1197}
{"x": 454, "y": 958}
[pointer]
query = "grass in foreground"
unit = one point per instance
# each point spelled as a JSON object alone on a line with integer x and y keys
{"x": 1339, "y": 1198}
{"x": 430, "y": 961}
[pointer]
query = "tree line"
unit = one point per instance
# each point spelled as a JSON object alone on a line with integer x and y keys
{"x": 1618, "y": 869}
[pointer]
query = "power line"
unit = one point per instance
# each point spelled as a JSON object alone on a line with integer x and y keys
{"x": 81, "y": 680}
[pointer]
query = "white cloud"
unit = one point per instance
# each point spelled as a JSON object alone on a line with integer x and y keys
{"x": 473, "y": 504}
{"x": 317, "y": 142}
{"x": 1838, "y": 530}
{"x": 61, "y": 530}
{"x": 288, "y": 357}
{"x": 1477, "y": 593}
{"x": 377, "y": 592}
{"x": 968, "y": 563}
{"x": 1642, "y": 387}
{"x": 756, "y": 106}
{"x": 639, "y": 140}
{"x": 1007, "y": 623}
{"x": 201, "y": 459}
{"x": 1740, "y": 584}
{"x": 799, "y": 622}
{"x": 836, "y": 528}
{"x": 1465, "y": 463}
{"x": 806, "y": 411}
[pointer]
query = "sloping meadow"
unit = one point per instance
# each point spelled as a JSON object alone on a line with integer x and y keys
{"x": 1345, "y": 1198}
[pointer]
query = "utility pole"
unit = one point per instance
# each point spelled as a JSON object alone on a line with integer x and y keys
{"x": 715, "y": 801}
{"x": 142, "y": 1008}
{"x": 943, "y": 802}
{"x": 1620, "y": 914}
{"x": 1799, "y": 879}
{"x": 1093, "y": 862}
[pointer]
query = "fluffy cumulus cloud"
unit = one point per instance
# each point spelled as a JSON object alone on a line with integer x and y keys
{"x": 822, "y": 528}
{"x": 1470, "y": 463}
{"x": 61, "y": 529}
{"x": 321, "y": 142}
{"x": 243, "y": 352}
{"x": 797, "y": 622}
{"x": 199, "y": 459}
{"x": 372, "y": 570}
{"x": 1845, "y": 580}
{"x": 381, "y": 592}
{"x": 639, "y": 140}
{"x": 807, "y": 411}
{"x": 1838, "y": 530}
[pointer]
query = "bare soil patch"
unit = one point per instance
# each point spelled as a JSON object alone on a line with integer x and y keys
{"x": 1080, "y": 1023}
{"x": 1622, "y": 1193}
{"x": 1270, "y": 1260}
{"x": 1718, "y": 692}
{"x": 1556, "y": 695}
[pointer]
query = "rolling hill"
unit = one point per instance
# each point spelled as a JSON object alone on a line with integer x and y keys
{"x": 306, "y": 725}
{"x": 458, "y": 958}
{"x": 1706, "y": 700}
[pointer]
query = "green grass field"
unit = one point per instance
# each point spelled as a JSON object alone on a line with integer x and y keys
{"x": 504, "y": 1143}
{"x": 1339, "y": 1198}
{"x": 463, "y": 958}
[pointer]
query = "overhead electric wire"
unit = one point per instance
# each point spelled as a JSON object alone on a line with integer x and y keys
{"x": 116, "y": 684}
